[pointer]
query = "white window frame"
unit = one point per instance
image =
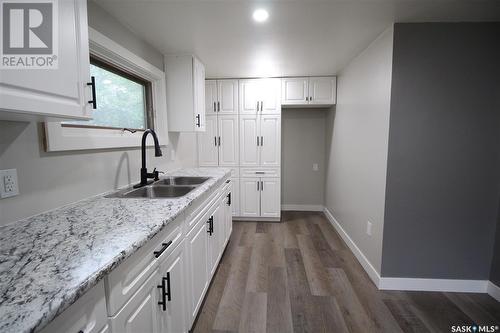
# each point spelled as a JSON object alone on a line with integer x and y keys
{"x": 62, "y": 138}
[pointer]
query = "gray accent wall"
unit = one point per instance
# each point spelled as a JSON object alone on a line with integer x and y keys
{"x": 443, "y": 172}
{"x": 303, "y": 144}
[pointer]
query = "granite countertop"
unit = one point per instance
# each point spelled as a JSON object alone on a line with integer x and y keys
{"x": 49, "y": 260}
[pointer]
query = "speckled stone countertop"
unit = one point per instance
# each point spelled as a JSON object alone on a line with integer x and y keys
{"x": 47, "y": 261}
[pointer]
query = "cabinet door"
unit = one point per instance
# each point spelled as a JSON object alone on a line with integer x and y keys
{"x": 61, "y": 92}
{"x": 199, "y": 95}
{"x": 227, "y": 96}
{"x": 249, "y": 136}
{"x": 270, "y": 132}
{"x": 294, "y": 91}
{"x": 216, "y": 238}
{"x": 322, "y": 90}
{"x": 173, "y": 318}
{"x": 141, "y": 313}
{"x": 208, "y": 152}
{"x": 228, "y": 215}
{"x": 197, "y": 249}
{"x": 235, "y": 197}
{"x": 270, "y": 96}
{"x": 210, "y": 97}
{"x": 270, "y": 202}
{"x": 229, "y": 140}
{"x": 249, "y": 95}
{"x": 250, "y": 197}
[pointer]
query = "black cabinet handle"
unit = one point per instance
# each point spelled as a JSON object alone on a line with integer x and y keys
{"x": 257, "y": 141}
{"x": 164, "y": 247}
{"x": 163, "y": 301}
{"x": 168, "y": 293}
{"x": 261, "y": 185}
{"x": 307, "y": 99}
{"x": 219, "y": 141}
{"x": 210, "y": 225}
{"x": 215, "y": 140}
{"x": 229, "y": 199}
{"x": 165, "y": 294}
{"x": 215, "y": 109}
{"x": 262, "y": 141}
{"x": 198, "y": 122}
{"x": 94, "y": 98}
{"x": 218, "y": 106}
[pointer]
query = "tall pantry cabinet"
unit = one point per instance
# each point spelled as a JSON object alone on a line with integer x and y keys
{"x": 243, "y": 132}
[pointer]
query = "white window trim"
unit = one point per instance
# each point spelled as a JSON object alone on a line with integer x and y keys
{"x": 61, "y": 138}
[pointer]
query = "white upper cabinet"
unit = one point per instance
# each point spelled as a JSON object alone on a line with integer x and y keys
{"x": 211, "y": 97}
{"x": 294, "y": 91}
{"x": 249, "y": 140}
{"x": 312, "y": 91}
{"x": 260, "y": 96}
{"x": 227, "y": 101}
{"x": 61, "y": 92}
{"x": 322, "y": 90}
{"x": 270, "y": 140}
{"x": 208, "y": 149}
{"x": 228, "y": 140}
{"x": 221, "y": 96}
{"x": 186, "y": 103}
{"x": 260, "y": 140}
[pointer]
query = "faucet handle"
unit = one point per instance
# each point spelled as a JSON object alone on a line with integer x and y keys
{"x": 157, "y": 173}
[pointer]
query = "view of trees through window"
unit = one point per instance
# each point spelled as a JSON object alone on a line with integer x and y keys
{"x": 121, "y": 102}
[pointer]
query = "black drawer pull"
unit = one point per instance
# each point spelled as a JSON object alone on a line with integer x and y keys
{"x": 198, "y": 121}
{"x": 229, "y": 199}
{"x": 164, "y": 247}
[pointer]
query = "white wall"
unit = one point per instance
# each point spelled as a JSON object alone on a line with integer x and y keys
{"x": 357, "y": 145}
{"x": 50, "y": 180}
{"x": 303, "y": 143}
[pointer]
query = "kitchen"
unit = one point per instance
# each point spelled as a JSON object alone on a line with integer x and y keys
{"x": 294, "y": 173}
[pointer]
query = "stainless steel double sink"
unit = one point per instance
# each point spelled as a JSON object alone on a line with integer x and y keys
{"x": 171, "y": 187}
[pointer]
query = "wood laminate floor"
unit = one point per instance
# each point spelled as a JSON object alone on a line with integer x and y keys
{"x": 299, "y": 276}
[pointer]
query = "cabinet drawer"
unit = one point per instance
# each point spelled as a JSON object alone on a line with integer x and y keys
{"x": 126, "y": 279}
{"x": 87, "y": 314}
{"x": 260, "y": 172}
{"x": 199, "y": 207}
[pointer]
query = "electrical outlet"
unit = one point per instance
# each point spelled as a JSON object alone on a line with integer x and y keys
{"x": 8, "y": 183}
{"x": 315, "y": 167}
{"x": 369, "y": 226}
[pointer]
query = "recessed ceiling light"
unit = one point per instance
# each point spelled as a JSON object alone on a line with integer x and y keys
{"x": 260, "y": 15}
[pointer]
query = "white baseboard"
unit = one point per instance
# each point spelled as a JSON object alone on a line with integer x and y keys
{"x": 302, "y": 208}
{"x": 411, "y": 284}
{"x": 443, "y": 285}
{"x": 493, "y": 290}
{"x": 256, "y": 219}
{"x": 370, "y": 270}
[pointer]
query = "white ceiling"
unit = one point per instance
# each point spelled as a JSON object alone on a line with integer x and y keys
{"x": 305, "y": 37}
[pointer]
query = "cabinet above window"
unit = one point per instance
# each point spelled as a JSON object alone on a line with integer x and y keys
{"x": 308, "y": 91}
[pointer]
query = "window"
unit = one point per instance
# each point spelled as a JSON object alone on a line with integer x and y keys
{"x": 123, "y": 99}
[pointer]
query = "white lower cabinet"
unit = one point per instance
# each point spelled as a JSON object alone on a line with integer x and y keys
{"x": 161, "y": 287}
{"x": 197, "y": 248}
{"x": 141, "y": 313}
{"x": 260, "y": 197}
{"x": 249, "y": 197}
{"x": 173, "y": 292}
{"x": 87, "y": 314}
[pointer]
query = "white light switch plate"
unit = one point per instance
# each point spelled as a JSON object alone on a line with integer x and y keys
{"x": 8, "y": 183}
{"x": 315, "y": 167}
{"x": 369, "y": 226}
